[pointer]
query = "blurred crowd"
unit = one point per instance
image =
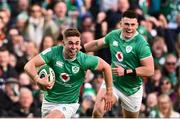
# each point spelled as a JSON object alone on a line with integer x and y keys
{"x": 28, "y": 27}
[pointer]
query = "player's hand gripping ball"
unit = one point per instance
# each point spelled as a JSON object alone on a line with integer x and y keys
{"x": 44, "y": 71}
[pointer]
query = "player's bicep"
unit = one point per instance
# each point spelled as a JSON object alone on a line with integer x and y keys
{"x": 144, "y": 51}
{"x": 101, "y": 64}
{"x": 148, "y": 62}
{"x": 90, "y": 62}
{"x": 37, "y": 60}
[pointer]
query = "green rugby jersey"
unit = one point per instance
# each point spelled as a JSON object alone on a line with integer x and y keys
{"x": 128, "y": 54}
{"x": 69, "y": 74}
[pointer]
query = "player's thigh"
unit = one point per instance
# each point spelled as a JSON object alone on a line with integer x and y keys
{"x": 131, "y": 104}
{"x": 58, "y": 110}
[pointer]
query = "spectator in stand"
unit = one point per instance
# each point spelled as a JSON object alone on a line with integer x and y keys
{"x": 25, "y": 107}
{"x": 114, "y": 14}
{"x": 6, "y": 70}
{"x": 18, "y": 46}
{"x": 151, "y": 104}
{"x": 154, "y": 82}
{"x": 9, "y": 96}
{"x": 60, "y": 18}
{"x": 159, "y": 50}
{"x": 31, "y": 49}
{"x": 12, "y": 60}
{"x": 50, "y": 27}
{"x": 35, "y": 24}
{"x": 87, "y": 23}
{"x": 86, "y": 37}
{"x": 101, "y": 29}
{"x": 25, "y": 80}
{"x": 5, "y": 14}
{"x": 21, "y": 6}
{"x": 4, "y": 42}
{"x": 46, "y": 42}
{"x": 169, "y": 69}
{"x": 165, "y": 107}
{"x": 167, "y": 88}
{"x": 21, "y": 23}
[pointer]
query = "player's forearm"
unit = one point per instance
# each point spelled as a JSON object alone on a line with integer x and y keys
{"x": 145, "y": 71}
{"x": 31, "y": 70}
{"x": 91, "y": 46}
{"x": 94, "y": 45}
{"x": 108, "y": 78}
{"x": 141, "y": 71}
{"x": 106, "y": 69}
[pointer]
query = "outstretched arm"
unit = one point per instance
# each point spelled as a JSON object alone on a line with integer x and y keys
{"x": 30, "y": 68}
{"x": 105, "y": 67}
{"x": 31, "y": 65}
{"x": 94, "y": 45}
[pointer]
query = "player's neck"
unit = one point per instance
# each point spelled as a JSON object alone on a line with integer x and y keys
{"x": 68, "y": 58}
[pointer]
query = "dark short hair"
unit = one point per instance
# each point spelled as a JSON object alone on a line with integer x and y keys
{"x": 71, "y": 32}
{"x": 130, "y": 14}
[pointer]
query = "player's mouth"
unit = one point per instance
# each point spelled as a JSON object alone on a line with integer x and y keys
{"x": 129, "y": 31}
{"x": 72, "y": 52}
{"x": 129, "y": 34}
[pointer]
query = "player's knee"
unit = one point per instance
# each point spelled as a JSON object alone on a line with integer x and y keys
{"x": 98, "y": 113}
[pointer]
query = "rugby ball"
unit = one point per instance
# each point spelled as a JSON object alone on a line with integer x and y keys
{"x": 46, "y": 70}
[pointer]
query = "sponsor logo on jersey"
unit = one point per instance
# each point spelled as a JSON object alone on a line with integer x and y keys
{"x": 119, "y": 56}
{"x": 115, "y": 43}
{"x": 65, "y": 77}
{"x": 59, "y": 63}
{"x": 128, "y": 49}
{"x": 75, "y": 69}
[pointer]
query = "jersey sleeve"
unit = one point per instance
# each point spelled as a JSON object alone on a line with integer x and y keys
{"x": 47, "y": 55}
{"x": 108, "y": 38}
{"x": 91, "y": 62}
{"x": 144, "y": 50}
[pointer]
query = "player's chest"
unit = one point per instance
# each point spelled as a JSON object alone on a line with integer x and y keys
{"x": 122, "y": 49}
{"x": 66, "y": 70}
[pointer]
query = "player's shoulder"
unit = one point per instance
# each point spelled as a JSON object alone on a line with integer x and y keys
{"x": 115, "y": 31}
{"x": 114, "y": 34}
{"x": 57, "y": 48}
{"x": 140, "y": 38}
{"x": 83, "y": 56}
